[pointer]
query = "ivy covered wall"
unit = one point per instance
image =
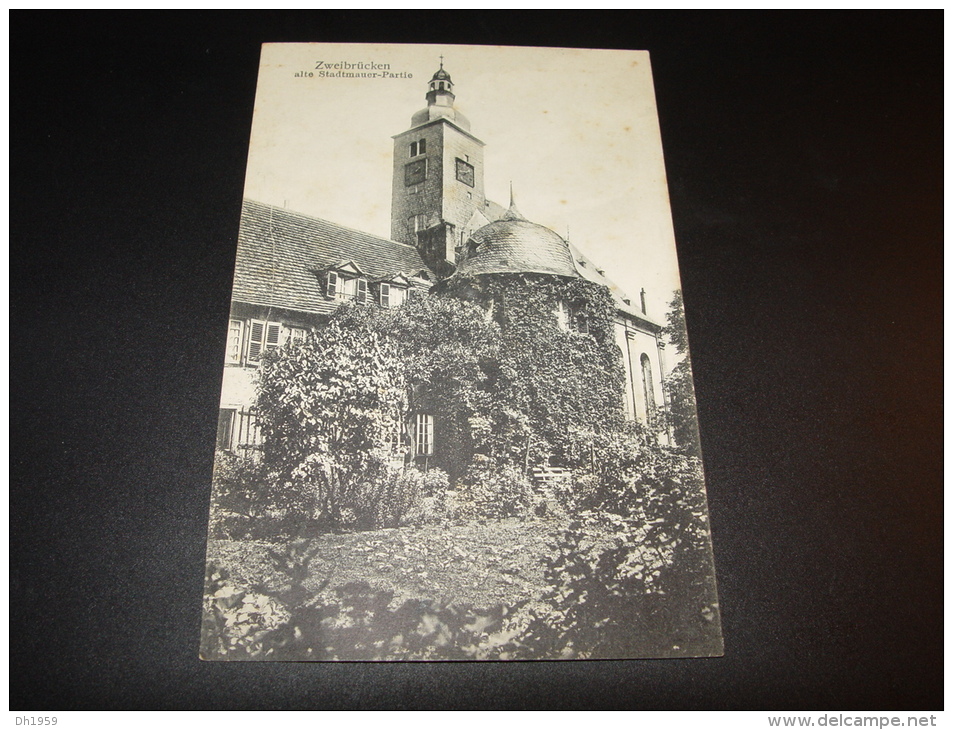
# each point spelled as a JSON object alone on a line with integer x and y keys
{"x": 550, "y": 388}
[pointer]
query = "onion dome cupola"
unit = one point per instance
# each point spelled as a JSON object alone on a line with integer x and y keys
{"x": 441, "y": 83}
{"x": 440, "y": 99}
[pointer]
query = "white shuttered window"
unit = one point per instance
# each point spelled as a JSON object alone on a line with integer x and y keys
{"x": 262, "y": 336}
{"x": 233, "y": 347}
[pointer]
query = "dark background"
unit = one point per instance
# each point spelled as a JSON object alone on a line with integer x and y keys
{"x": 804, "y": 162}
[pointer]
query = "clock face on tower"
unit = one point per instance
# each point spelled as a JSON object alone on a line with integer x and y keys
{"x": 415, "y": 172}
{"x": 465, "y": 172}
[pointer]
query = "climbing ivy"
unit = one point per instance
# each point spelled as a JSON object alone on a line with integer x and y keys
{"x": 548, "y": 384}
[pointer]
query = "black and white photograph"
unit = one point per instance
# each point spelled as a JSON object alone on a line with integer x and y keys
{"x": 457, "y": 418}
{"x": 351, "y": 369}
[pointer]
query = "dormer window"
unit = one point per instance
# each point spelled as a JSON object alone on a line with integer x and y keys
{"x": 346, "y": 286}
{"x": 390, "y": 295}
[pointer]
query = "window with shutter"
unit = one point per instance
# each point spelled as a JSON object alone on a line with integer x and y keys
{"x": 385, "y": 295}
{"x": 361, "y": 295}
{"x": 332, "y": 287}
{"x": 256, "y": 340}
{"x": 272, "y": 335}
{"x": 262, "y": 336}
{"x": 233, "y": 347}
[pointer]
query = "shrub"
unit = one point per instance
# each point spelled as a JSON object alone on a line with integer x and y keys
{"x": 238, "y": 623}
{"x": 493, "y": 491}
{"x": 354, "y": 622}
{"x": 634, "y": 579}
{"x": 328, "y": 408}
{"x": 398, "y": 497}
{"x": 239, "y": 497}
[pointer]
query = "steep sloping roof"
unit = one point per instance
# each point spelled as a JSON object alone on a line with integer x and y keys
{"x": 589, "y": 270}
{"x": 494, "y": 211}
{"x": 281, "y": 255}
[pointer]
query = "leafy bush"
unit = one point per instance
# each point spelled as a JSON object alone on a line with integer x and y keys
{"x": 240, "y": 501}
{"x": 634, "y": 581}
{"x": 493, "y": 491}
{"x": 399, "y": 497}
{"x": 545, "y": 381}
{"x": 447, "y": 350}
{"x": 681, "y": 415}
{"x": 328, "y": 409}
{"x": 353, "y": 623}
{"x": 238, "y": 623}
{"x": 424, "y": 495}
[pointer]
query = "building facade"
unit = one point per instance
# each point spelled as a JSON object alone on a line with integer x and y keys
{"x": 293, "y": 270}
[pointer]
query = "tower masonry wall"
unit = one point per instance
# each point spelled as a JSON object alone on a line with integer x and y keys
{"x": 427, "y": 200}
{"x": 460, "y": 200}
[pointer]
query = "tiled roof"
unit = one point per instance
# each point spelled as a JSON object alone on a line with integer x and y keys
{"x": 494, "y": 211}
{"x": 281, "y": 255}
{"x": 589, "y": 270}
{"x": 513, "y": 244}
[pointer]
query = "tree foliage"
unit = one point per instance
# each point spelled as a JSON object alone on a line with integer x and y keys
{"x": 682, "y": 409}
{"x": 328, "y": 409}
{"x": 447, "y": 349}
{"x": 631, "y": 576}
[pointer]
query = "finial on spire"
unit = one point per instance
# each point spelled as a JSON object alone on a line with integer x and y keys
{"x": 441, "y": 61}
{"x": 513, "y": 213}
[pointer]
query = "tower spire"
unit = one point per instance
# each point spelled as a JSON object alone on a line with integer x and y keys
{"x": 513, "y": 214}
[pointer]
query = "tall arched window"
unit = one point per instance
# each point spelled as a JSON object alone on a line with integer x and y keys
{"x": 647, "y": 386}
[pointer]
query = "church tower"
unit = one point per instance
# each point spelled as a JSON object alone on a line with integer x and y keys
{"x": 438, "y": 178}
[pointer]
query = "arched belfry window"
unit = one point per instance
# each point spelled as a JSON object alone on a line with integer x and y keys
{"x": 647, "y": 386}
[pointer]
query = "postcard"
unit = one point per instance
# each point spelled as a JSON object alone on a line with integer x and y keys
{"x": 457, "y": 418}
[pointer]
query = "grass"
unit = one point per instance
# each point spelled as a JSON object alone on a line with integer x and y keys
{"x": 478, "y": 564}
